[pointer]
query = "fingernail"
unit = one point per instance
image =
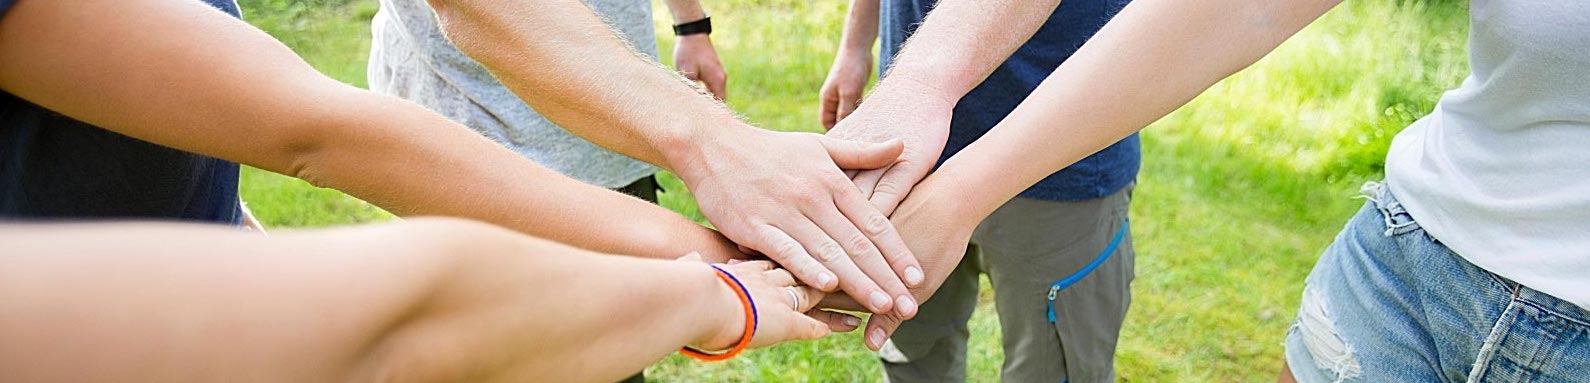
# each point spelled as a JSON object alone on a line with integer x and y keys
{"x": 879, "y": 300}
{"x": 823, "y": 279}
{"x": 852, "y": 321}
{"x": 913, "y": 276}
{"x": 905, "y": 305}
{"x": 876, "y": 337}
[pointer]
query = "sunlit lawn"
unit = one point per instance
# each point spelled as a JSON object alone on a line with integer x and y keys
{"x": 1239, "y": 192}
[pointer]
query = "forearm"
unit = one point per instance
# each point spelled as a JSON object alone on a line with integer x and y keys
{"x": 426, "y": 300}
{"x": 961, "y": 42}
{"x": 547, "y": 51}
{"x": 413, "y": 162}
{"x": 684, "y": 11}
{"x": 861, "y": 28}
{"x": 530, "y": 310}
{"x": 236, "y": 94}
{"x": 1154, "y": 57}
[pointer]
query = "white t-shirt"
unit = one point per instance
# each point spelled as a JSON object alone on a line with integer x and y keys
{"x": 1500, "y": 171}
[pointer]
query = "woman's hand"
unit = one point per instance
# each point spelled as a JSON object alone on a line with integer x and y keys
{"x": 782, "y": 307}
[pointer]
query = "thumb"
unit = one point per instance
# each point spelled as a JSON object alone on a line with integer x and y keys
{"x": 879, "y": 328}
{"x": 862, "y": 155}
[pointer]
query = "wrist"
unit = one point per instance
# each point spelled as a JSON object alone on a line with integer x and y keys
{"x": 922, "y": 96}
{"x": 943, "y": 197}
{"x": 968, "y": 206}
{"x": 850, "y": 51}
{"x": 722, "y": 313}
{"x": 696, "y": 153}
{"x": 928, "y": 82}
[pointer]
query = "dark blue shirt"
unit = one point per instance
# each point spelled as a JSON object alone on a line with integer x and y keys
{"x": 1071, "y": 24}
{"x": 54, "y": 167}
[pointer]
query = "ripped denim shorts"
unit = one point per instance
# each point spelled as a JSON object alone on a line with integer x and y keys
{"x": 1388, "y": 303}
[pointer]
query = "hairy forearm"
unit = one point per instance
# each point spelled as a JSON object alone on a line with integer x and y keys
{"x": 684, "y": 11}
{"x": 236, "y": 94}
{"x": 426, "y": 300}
{"x": 962, "y": 41}
{"x": 548, "y": 52}
{"x": 1154, "y": 57}
{"x": 861, "y": 28}
{"x": 413, "y": 162}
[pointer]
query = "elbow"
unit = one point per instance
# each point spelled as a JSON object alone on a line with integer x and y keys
{"x": 303, "y": 145}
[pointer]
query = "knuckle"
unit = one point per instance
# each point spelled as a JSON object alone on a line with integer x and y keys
{"x": 829, "y": 252}
{"x": 875, "y": 224}
{"x": 859, "y": 245}
{"x": 786, "y": 249}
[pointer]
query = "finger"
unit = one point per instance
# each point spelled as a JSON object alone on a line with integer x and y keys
{"x": 779, "y": 277}
{"x": 836, "y": 321}
{"x": 879, "y": 328}
{"x": 895, "y": 255}
{"x": 828, "y": 107}
{"x": 865, "y": 252}
{"x": 851, "y": 279}
{"x": 894, "y": 185}
{"x": 717, "y": 82}
{"x": 862, "y": 155}
{"x": 789, "y": 253}
{"x": 808, "y": 328}
{"x": 867, "y": 181}
{"x": 753, "y": 266}
{"x": 840, "y": 302}
{"x": 809, "y": 298}
{"x": 848, "y": 102}
{"x": 748, "y": 251}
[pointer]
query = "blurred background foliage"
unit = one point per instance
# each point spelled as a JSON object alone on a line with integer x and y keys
{"x": 1240, "y": 190}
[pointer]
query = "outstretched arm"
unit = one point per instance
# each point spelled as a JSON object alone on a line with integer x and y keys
{"x": 234, "y": 93}
{"x": 782, "y": 194}
{"x": 1154, "y": 57}
{"x": 428, "y": 300}
{"x": 958, "y": 45}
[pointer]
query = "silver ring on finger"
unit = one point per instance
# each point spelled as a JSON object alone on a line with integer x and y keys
{"x": 794, "y": 296}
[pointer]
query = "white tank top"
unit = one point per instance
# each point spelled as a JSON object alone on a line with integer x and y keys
{"x": 1500, "y": 170}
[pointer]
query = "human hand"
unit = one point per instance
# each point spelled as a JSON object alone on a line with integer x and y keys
{"x": 937, "y": 230}
{"x": 697, "y": 60}
{"x": 782, "y": 194}
{"x": 842, "y": 89}
{"x": 782, "y": 309}
{"x": 902, "y": 110}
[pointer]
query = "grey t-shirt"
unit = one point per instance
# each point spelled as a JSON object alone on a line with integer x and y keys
{"x": 412, "y": 59}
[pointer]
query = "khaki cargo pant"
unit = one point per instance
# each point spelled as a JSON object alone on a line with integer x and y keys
{"x": 1024, "y": 247}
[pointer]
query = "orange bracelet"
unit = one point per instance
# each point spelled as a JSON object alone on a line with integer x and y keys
{"x": 750, "y": 321}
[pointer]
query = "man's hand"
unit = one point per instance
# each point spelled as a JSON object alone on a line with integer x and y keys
{"x": 897, "y": 110}
{"x": 783, "y": 194}
{"x": 842, "y": 90}
{"x": 937, "y": 229}
{"x": 697, "y": 60}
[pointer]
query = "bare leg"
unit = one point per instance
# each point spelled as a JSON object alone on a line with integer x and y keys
{"x": 1286, "y": 374}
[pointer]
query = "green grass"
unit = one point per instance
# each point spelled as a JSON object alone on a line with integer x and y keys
{"x": 1239, "y": 193}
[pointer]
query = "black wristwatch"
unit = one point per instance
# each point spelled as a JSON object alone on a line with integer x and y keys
{"x": 703, "y": 26}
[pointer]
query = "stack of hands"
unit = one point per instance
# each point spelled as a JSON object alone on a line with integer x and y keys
{"x": 841, "y": 212}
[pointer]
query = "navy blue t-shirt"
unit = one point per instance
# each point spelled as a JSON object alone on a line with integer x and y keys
{"x": 53, "y": 167}
{"x": 1071, "y": 24}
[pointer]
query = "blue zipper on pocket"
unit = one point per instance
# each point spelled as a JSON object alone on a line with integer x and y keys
{"x": 1054, "y": 289}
